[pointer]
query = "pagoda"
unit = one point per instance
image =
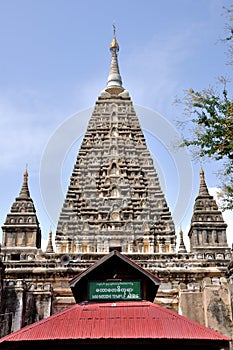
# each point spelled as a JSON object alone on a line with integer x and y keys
{"x": 114, "y": 199}
{"x": 115, "y": 205}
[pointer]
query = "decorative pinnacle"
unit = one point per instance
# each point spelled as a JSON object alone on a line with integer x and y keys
{"x": 203, "y": 190}
{"x": 49, "y": 248}
{"x": 114, "y": 78}
{"x": 182, "y": 248}
{"x": 114, "y": 44}
{"x": 24, "y": 193}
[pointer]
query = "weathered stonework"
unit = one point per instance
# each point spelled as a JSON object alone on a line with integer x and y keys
{"x": 114, "y": 201}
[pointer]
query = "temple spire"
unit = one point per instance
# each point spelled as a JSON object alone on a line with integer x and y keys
{"x": 24, "y": 193}
{"x": 182, "y": 248}
{"x": 49, "y": 248}
{"x": 114, "y": 78}
{"x": 21, "y": 229}
{"x": 203, "y": 190}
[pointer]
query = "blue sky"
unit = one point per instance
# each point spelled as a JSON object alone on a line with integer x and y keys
{"x": 55, "y": 61}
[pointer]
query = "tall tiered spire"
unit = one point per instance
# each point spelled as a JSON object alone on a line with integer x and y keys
{"x": 21, "y": 231}
{"x": 207, "y": 232}
{"x": 114, "y": 78}
{"x": 114, "y": 200}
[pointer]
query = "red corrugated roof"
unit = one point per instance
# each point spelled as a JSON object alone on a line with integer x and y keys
{"x": 117, "y": 320}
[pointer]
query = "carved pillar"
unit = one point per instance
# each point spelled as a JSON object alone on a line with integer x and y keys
{"x": 38, "y": 302}
{"x": 18, "y": 315}
{"x": 43, "y": 297}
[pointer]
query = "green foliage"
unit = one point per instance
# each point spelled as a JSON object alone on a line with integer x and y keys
{"x": 211, "y": 115}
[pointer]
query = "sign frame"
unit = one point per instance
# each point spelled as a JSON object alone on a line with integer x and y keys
{"x": 114, "y": 290}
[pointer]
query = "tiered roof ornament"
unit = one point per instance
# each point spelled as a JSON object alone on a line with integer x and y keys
{"x": 114, "y": 78}
{"x": 21, "y": 230}
{"x": 182, "y": 248}
{"x": 203, "y": 189}
{"x": 49, "y": 248}
{"x": 25, "y": 193}
{"x": 207, "y": 231}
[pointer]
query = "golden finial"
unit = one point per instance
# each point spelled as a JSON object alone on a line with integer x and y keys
{"x": 114, "y": 85}
{"x": 26, "y": 170}
{"x": 114, "y": 43}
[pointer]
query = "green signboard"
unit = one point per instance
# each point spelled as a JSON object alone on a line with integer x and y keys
{"x": 114, "y": 290}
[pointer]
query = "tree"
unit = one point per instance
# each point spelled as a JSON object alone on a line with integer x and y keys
{"x": 211, "y": 115}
